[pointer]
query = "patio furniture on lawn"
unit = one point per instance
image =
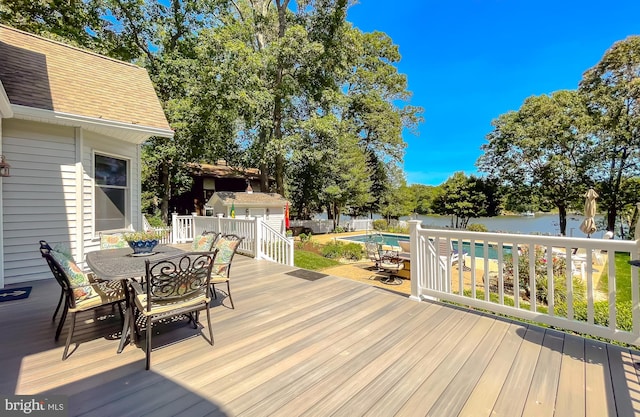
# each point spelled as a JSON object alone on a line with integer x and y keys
{"x": 373, "y": 253}
{"x": 387, "y": 260}
{"x": 227, "y": 246}
{"x": 174, "y": 286}
{"x": 204, "y": 242}
{"x": 80, "y": 294}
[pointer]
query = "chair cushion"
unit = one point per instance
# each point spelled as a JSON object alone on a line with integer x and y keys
{"x": 226, "y": 249}
{"x": 392, "y": 266}
{"x": 167, "y": 306}
{"x": 113, "y": 241}
{"x": 79, "y": 281}
{"x": 105, "y": 292}
{"x": 203, "y": 243}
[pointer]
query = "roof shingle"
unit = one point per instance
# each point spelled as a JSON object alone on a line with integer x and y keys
{"x": 45, "y": 74}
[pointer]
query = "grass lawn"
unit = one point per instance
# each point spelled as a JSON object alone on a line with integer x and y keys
{"x": 312, "y": 260}
{"x": 623, "y": 278}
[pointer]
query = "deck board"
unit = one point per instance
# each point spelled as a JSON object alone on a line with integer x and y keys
{"x": 316, "y": 347}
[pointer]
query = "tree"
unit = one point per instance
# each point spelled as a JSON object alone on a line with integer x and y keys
{"x": 424, "y": 197}
{"x": 612, "y": 91}
{"x": 543, "y": 146}
{"x": 463, "y": 198}
{"x": 259, "y": 83}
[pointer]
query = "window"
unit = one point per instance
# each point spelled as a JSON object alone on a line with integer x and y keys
{"x": 111, "y": 193}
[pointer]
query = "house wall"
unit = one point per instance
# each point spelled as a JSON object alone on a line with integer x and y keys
{"x": 41, "y": 199}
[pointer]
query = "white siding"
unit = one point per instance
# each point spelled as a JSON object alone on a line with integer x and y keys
{"x": 39, "y": 200}
{"x": 40, "y": 197}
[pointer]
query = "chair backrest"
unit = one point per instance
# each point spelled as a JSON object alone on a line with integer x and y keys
{"x": 178, "y": 277}
{"x": 446, "y": 251}
{"x": 227, "y": 246}
{"x": 113, "y": 241}
{"x": 74, "y": 282}
{"x": 373, "y": 251}
{"x": 204, "y": 242}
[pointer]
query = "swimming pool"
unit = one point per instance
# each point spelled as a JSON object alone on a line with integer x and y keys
{"x": 392, "y": 239}
{"x": 383, "y": 238}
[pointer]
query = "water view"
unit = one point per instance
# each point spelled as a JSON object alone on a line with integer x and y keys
{"x": 545, "y": 224}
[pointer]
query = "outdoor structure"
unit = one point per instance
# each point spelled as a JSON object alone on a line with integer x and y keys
{"x": 209, "y": 178}
{"x": 71, "y": 127}
{"x": 269, "y": 206}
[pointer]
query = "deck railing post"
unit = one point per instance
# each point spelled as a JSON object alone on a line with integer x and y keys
{"x": 174, "y": 227}
{"x": 257, "y": 232}
{"x": 416, "y": 261}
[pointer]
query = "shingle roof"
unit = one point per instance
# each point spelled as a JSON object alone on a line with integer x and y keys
{"x": 223, "y": 171}
{"x": 45, "y": 74}
{"x": 248, "y": 199}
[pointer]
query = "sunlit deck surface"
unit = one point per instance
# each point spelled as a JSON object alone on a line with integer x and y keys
{"x": 301, "y": 343}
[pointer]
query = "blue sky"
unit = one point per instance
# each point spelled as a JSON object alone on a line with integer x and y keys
{"x": 469, "y": 61}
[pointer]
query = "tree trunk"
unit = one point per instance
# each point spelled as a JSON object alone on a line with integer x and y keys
{"x": 264, "y": 167}
{"x": 562, "y": 214}
{"x": 166, "y": 191}
{"x": 278, "y": 100}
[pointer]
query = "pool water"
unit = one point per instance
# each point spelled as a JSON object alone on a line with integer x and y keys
{"x": 391, "y": 239}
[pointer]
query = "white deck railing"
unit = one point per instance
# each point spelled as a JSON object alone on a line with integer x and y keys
{"x": 484, "y": 281}
{"x": 181, "y": 229}
{"x": 260, "y": 240}
{"x": 273, "y": 246}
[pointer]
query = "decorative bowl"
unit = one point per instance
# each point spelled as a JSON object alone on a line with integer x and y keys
{"x": 143, "y": 246}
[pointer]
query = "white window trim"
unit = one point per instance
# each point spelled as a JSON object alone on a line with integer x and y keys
{"x": 128, "y": 188}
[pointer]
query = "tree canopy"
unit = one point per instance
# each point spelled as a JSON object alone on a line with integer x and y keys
{"x": 289, "y": 87}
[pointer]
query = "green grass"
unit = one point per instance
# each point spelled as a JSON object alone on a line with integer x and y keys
{"x": 312, "y": 261}
{"x": 623, "y": 278}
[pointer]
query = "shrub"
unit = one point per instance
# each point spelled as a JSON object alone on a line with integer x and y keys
{"x": 332, "y": 250}
{"x": 560, "y": 289}
{"x": 304, "y": 237}
{"x": 336, "y": 250}
{"x": 398, "y": 229}
{"x": 353, "y": 251}
{"x": 380, "y": 225}
{"x": 477, "y": 227}
{"x": 559, "y": 269}
{"x": 600, "y": 313}
{"x": 339, "y": 229}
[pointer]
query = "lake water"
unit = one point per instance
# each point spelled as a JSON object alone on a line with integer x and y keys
{"x": 546, "y": 224}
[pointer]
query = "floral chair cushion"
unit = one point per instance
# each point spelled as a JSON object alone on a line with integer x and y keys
{"x": 79, "y": 281}
{"x": 203, "y": 243}
{"x": 226, "y": 249}
{"x": 113, "y": 241}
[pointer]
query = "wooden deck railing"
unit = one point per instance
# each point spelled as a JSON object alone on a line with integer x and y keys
{"x": 552, "y": 280}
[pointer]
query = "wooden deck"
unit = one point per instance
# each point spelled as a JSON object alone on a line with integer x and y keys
{"x": 303, "y": 344}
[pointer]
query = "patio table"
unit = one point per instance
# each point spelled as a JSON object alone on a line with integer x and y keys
{"x": 122, "y": 265}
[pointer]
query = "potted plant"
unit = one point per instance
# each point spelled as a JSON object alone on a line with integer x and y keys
{"x": 143, "y": 242}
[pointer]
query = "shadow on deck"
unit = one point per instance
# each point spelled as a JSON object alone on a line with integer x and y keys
{"x": 303, "y": 344}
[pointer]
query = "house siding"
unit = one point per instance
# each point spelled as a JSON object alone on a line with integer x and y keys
{"x": 40, "y": 199}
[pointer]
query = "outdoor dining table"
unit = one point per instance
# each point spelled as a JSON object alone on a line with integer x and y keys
{"x": 123, "y": 265}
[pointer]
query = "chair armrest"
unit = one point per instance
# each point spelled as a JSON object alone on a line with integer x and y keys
{"x": 136, "y": 287}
